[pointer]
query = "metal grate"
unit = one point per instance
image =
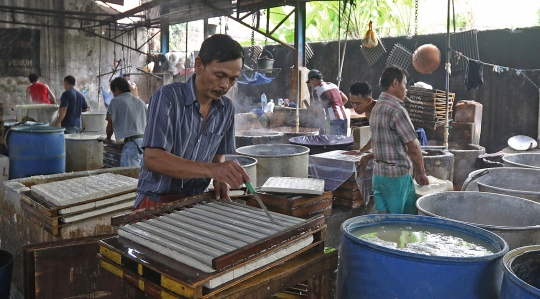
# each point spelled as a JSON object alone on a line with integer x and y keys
{"x": 255, "y": 52}
{"x": 467, "y": 43}
{"x": 399, "y": 56}
{"x": 309, "y": 52}
{"x": 374, "y": 54}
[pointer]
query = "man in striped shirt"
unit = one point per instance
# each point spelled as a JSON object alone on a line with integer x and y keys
{"x": 328, "y": 95}
{"x": 393, "y": 140}
{"x": 190, "y": 128}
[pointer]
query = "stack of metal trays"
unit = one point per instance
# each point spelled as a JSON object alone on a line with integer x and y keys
{"x": 427, "y": 107}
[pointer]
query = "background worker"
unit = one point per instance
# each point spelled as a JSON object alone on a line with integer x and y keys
{"x": 360, "y": 96}
{"x": 328, "y": 96}
{"x": 72, "y": 104}
{"x": 132, "y": 86}
{"x": 190, "y": 129}
{"x": 39, "y": 93}
{"x": 126, "y": 118}
{"x": 393, "y": 140}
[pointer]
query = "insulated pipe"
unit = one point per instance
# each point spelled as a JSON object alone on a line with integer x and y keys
{"x": 448, "y": 70}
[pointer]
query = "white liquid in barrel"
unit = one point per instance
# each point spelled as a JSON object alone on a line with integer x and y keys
{"x": 425, "y": 240}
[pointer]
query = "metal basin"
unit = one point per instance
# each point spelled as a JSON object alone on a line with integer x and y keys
{"x": 280, "y": 160}
{"x": 253, "y": 137}
{"x": 522, "y": 160}
{"x": 513, "y": 218}
{"x": 514, "y": 181}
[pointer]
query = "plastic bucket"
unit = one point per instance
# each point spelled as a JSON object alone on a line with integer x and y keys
{"x": 6, "y": 270}
{"x": 521, "y": 278}
{"x": 36, "y": 150}
{"x": 367, "y": 270}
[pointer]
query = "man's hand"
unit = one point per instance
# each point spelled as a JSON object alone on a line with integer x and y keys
{"x": 362, "y": 164}
{"x": 230, "y": 173}
{"x": 421, "y": 179}
{"x": 353, "y": 153}
{"x": 222, "y": 191}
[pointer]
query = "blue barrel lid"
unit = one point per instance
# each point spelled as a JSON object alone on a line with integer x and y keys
{"x": 37, "y": 129}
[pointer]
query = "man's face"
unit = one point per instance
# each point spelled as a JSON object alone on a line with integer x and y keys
{"x": 314, "y": 82}
{"x": 66, "y": 86}
{"x": 401, "y": 88}
{"x": 216, "y": 78}
{"x": 359, "y": 103}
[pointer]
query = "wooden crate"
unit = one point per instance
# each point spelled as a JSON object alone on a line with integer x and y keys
{"x": 302, "y": 206}
{"x": 348, "y": 194}
{"x": 427, "y": 108}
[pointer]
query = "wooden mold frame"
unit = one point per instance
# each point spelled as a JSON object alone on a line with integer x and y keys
{"x": 136, "y": 263}
{"x": 45, "y": 214}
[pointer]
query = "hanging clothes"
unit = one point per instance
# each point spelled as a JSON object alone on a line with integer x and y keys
{"x": 474, "y": 75}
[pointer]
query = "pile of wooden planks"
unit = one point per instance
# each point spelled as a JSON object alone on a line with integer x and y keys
{"x": 302, "y": 206}
{"x": 348, "y": 194}
{"x": 427, "y": 107}
{"x": 112, "y": 152}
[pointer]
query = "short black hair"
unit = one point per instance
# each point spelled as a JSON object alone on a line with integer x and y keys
{"x": 120, "y": 84}
{"x": 70, "y": 80}
{"x": 33, "y": 78}
{"x": 126, "y": 75}
{"x": 390, "y": 74}
{"x": 360, "y": 88}
{"x": 222, "y": 48}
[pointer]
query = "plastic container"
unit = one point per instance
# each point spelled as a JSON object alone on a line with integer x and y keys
{"x": 435, "y": 185}
{"x": 6, "y": 271}
{"x": 521, "y": 268}
{"x": 263, "y": 101}
{"x": 368, "y": 271}
{"x": 269, "y": 107}
{"x": 36, "y": 150}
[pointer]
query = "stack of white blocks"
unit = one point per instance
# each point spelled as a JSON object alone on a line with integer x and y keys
{"x": 82, "y": 189}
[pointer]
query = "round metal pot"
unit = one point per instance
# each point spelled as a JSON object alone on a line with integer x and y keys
{"x": 278, "y": 160}
{"x": 529, "y": 160}
{"x": 513, "y": 218}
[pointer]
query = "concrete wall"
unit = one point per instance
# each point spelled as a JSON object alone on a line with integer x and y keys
{"x": 74, "y": 52}
{"x": 510, "y": 101}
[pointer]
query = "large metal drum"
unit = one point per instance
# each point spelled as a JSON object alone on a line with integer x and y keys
{"x": 529, "y": 160}
{"x": 515, "y": 219}
{"x": 367, "y": 270}
{"x": 515, "y": 181}
{"x": 257, "y": 136}
{"x": 83, "y": 152}
{"x": 521, "y": 278}
{"x": 439, "y": 163}
{"x": 465, "y": 157}
{"x": 280, "y": 160}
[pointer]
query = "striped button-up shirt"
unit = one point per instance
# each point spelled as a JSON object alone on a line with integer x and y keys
{"x": 328, "y": 93}
{"x": 175, "y": 124}
{"x": 391, "y": 129}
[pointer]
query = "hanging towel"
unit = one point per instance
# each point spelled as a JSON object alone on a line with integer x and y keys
{"x": 474, "y": 76}
{"x": 421, "y": 136}
{"x": 256, "y": 79}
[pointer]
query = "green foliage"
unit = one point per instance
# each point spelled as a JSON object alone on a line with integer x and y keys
{"x": 177, "y": 36}
{"x": 328, "y": 20}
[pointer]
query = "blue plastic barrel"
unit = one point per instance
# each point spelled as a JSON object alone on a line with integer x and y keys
{"x": 6, "y": 270}
{"x": 368, "y": 271}
{"x": 521, "y": 278}
{"x": 36, "y": 150}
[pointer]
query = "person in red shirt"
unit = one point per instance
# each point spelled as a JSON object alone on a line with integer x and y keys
{"x": 39, "y": 93}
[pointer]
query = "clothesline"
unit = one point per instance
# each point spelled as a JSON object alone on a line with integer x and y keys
{"x": 500, "y": 69}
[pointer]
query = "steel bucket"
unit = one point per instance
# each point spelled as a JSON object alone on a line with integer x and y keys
{"x": 513, "y": 218}
{"x": 529, "y": 160}
{"x": 514, "y": 181}
{"x": 265, "y": 62}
